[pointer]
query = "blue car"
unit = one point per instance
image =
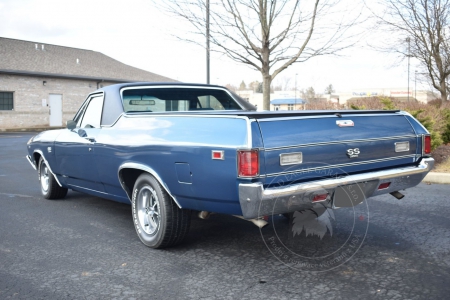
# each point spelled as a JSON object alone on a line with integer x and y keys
{"x": 170, "y": 149}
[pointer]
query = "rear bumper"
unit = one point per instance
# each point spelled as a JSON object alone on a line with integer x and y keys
{"x": 256, "y": 201}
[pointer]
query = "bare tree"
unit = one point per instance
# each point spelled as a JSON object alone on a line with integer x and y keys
{"x": 329, "y": 89}
{"x": 308, "y": 94}
{"x": 270, "y": 35}
{"x": 422, "y": 31}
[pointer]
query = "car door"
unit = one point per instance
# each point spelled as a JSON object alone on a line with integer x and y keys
{"x": 75, "y": 149}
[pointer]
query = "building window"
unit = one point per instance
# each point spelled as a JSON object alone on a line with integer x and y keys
{"x": 290, "y": 106}
{"x": 6, "y": 101}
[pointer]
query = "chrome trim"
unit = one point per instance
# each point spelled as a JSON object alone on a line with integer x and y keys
{"x": 31, "y": 163}
{"x": 147, "y": 169}
{"x": 249, "y": 132}
{"x": 177, "y": 86}
{"x": 285, "y": 118}
{"x": 345, "y": 123}
{"x": 48, "y": 166}
{"x": 342, "y": 142}
{"x": 341, "y": 165}
{"x": 395, "y": 146}
{"x": 84, "y": 188}
{"x": 293, "y": 163}
{"x": 256, "y": 201}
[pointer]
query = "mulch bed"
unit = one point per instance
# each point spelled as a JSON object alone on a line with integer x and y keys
{"x": 441, "y": 153}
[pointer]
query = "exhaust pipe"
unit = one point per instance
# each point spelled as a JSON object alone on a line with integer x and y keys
{"x": 204, "y": 215}
{"x": 397, "y": 195}
{"x": 258, "y": 222}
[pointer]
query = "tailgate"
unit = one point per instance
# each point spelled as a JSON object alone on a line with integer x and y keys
{"x": 332, "y": 145}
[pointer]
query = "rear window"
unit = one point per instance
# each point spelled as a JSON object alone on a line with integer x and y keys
{"x": 176, "y": 99}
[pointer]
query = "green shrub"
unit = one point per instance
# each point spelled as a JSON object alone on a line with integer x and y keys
{"x": 446, "y": 130}
{"x": 429, "y": 124}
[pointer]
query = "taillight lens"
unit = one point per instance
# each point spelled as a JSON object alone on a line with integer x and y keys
{"x": 427, "y": 144}
{"x": 248, "y": 163}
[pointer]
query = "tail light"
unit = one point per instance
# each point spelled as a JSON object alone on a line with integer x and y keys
{"x": 426, "y": 144}
{"x": 248, "y": 163}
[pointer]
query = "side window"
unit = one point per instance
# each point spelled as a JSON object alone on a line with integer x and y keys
{"x": 93, "y": 113}
{"x": 210, "y": 102}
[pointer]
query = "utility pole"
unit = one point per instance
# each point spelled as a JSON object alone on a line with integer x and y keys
{"x": 207, "y": 41}
{"x": 296, "y": 91}
{"x": 409, "y": 55}
{"x": 415, "y": 85}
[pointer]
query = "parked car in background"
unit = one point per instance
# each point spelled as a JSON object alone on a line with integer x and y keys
{"x": 170, "y": 149}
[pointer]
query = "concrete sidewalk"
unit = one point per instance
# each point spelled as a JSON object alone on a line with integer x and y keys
{"x": 30, "y": 129}
{"x": 435, "y": 177}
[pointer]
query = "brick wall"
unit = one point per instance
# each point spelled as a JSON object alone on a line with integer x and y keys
{"x": 29, "y": 92}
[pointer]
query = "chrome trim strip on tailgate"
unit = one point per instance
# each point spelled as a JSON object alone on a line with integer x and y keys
{"x": 309, "y": 170}
{"x": 342, "y": 142}
{"x": 256, "y": 201}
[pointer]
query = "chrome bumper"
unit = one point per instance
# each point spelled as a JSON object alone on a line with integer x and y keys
{"x": 256, "y": 201}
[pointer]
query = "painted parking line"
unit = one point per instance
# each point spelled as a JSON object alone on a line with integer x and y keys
{"x": 16, "y": 195}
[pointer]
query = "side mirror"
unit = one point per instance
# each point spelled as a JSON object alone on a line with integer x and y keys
{"x": 71, "y": 124}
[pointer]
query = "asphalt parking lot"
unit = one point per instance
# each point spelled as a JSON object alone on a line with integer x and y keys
{"x": 85, "y": 247}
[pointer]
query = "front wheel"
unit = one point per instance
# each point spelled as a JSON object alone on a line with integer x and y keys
{"x": 158, "y": 221}
{"x": 50, "y": 189}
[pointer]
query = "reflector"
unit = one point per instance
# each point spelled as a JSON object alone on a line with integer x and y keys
{"x": 320, "y": 197}
{"x": 384, "y": 185}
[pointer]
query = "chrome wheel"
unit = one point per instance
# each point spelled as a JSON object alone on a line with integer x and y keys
{"x": 44, "y": 177}
{"x": 148, "y": 210}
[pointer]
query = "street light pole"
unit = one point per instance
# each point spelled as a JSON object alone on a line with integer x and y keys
{"x": 207, "y": 41}
{"x": 415, "y": 85}
{"x": 409, "y": 55}
{"x": 295, "y": 91}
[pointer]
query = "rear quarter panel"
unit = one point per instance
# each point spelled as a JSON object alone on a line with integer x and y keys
{"x": 172, "y": 146}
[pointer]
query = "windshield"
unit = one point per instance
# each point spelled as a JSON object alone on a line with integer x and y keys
{"x": 176, "y": 99}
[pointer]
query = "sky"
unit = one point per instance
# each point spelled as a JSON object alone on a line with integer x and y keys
{"x": 138, "y": 33}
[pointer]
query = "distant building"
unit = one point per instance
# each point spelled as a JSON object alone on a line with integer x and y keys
{"x": 42, "y": 84}
{"x": 287, "y": 104}
{"x": 397, "y": 93}
{"x": 289, "y": 100}
{"x": 257, "y": 98}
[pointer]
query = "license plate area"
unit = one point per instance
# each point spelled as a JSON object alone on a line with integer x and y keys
{"x": 353, "y": 194}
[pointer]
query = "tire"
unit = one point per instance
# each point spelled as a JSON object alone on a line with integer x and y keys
{"x": 158, "y": 221}
{"x": 50, "y": 189}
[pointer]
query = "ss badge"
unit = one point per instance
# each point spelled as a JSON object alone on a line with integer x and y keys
{"x": 352, "y": 153}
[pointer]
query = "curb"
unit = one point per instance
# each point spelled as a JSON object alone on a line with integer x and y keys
{"x": 435, "y": 177}
{"x": 31, "y": 129}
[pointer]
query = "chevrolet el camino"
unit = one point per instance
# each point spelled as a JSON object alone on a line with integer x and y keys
{"x": 169, "y": 149}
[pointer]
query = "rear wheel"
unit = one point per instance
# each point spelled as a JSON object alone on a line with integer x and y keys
{"x": 50, "y": 189}
{"x": 158, "y": 221}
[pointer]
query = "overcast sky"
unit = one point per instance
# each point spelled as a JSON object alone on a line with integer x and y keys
{"x": 136, "y": 33}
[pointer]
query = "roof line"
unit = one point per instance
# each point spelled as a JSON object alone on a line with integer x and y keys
{"x": 53, "y": 75}
{"x": 46, "y": 44}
